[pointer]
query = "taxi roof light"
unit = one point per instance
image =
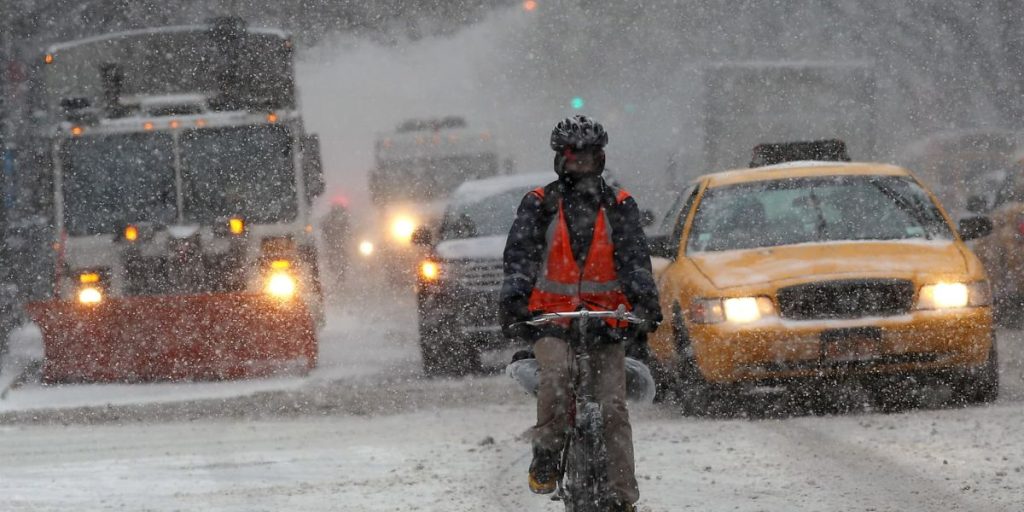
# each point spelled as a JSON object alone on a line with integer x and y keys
{"x": 89, "y": 277}
{"x": 280, "y": 264}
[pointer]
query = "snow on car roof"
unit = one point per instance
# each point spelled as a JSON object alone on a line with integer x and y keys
{"x": 475, "y": 190}
{"x": 802, "y": 169}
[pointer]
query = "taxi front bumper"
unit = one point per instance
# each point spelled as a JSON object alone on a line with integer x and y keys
{"x": 775, "y": 349}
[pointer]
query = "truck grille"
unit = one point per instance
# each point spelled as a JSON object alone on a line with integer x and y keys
{"x": 477, "y": 275}
{"x": 846, "y": 299}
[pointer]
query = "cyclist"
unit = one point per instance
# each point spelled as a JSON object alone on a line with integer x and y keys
{"x": 578, "y": 243}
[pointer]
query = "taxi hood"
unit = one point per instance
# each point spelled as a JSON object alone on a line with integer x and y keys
{"x": 727, "y": 269}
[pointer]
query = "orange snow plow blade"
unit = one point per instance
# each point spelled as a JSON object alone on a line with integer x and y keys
{"x": 182, "y": 337}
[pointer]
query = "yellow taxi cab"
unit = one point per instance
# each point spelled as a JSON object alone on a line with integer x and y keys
{"x": 803, "y": 270}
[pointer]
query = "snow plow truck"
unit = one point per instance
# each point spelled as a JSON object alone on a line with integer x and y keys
{"x": 182, "y": 183}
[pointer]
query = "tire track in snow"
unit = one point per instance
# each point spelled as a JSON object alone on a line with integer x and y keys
{"x": 851, "y": 468}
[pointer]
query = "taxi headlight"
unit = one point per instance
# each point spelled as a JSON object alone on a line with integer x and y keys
{"x": 90, "y": 295}
{"x": 402, "y": 228}
{"x": 280, "y": 285}
{"x": 954, "y": 295}
{"x": 738, "y": 310}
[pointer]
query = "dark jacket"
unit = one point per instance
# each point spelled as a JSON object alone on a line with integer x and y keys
{"x": 526, "y": 246}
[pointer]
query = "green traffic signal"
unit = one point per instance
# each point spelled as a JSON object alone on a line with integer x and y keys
{"x": 577, "y": 103}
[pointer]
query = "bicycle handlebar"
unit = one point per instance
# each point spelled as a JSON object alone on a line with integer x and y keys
{"x": 619, "y": 314}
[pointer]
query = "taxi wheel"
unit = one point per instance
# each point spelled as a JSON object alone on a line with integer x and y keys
{"x": 695, "y": 394}
{"x": 981, "y": 385}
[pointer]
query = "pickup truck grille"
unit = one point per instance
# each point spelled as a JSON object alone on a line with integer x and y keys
{"x": 476, "y": 275}
{"x": 846, "y": 299}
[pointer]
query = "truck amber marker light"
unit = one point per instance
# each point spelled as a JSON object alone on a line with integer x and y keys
{"x": 236, "y": 225}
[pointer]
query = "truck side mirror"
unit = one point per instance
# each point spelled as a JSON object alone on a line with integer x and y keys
{"x": 422, "y": 236}
{"x": 312, "y": 167}
{"x": 973, "y": 228}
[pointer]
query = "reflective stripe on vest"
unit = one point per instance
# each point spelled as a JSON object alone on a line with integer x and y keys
{"x": 561, "y": 286}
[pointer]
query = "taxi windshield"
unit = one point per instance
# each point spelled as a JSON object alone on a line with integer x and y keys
{"x": 819, "y": 209}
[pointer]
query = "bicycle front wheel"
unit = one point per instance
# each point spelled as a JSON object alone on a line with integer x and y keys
{"x": 586, "y": 471}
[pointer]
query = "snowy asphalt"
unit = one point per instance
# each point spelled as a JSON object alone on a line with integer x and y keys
{"x": 366, "y": 432}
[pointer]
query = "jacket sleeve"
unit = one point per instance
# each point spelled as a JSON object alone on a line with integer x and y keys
{"x": 633, "y": 261}
{"x": 523, "y": 254}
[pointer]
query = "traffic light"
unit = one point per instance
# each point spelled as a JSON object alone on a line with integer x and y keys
{"x": 577, "y": 103}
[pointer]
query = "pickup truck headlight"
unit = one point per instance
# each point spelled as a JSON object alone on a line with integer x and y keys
{"x": 402, "y": 228}
{"x": 954, "y": 295}
{"x": 430, "y": 271}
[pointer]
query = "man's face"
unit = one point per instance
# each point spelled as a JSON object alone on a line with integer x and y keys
{"x": 580, "y": 162}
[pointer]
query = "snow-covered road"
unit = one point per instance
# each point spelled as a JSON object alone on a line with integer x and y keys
{"x": 365, "y": 432}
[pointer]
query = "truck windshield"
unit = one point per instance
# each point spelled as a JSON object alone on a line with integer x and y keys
{"x": 427, "y": 179}
{"x": 245, "y": 171}
{"x": 102, "y": 192}
{"x": 821, "y": 209}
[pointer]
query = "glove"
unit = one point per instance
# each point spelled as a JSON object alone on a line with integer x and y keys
{"x": 651, "y": 320}
{"x": 648, "y": 326}
{"x": 519, "y": 330}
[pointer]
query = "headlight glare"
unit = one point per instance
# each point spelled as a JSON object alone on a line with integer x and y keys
{"x": 430, "y": 270}
{"x": 954, "y": 295}
{"x": 366, "y": 248}
{"x": 741, "y": 310}
{"x": 280, "y": 285}
{"x": 402, "y": 228}
{"x": 737, "y": 310}
{"x": 90, "y": 295}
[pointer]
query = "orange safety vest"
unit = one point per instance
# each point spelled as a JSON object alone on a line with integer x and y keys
{"x": 561, "y": 286}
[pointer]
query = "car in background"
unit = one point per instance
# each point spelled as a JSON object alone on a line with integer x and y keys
{"x": 459, "y": 282}
{"x": 1002, "y": 252}
{"x": 801, "y": 271}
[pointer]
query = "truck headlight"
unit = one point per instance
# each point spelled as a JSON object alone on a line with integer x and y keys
{"x": 402, "y": 228}
{"x": 954, "y": 295}
{"x": 280, "y": 285}
{"x": 90, "y": 295}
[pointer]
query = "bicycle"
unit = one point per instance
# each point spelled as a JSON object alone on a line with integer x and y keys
{"x": 583, "y": 483}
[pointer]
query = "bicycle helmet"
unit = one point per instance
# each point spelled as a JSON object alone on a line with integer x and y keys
{"x": 577, "y": 132}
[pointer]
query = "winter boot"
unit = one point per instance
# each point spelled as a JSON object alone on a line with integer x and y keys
{"x": 544, "y": 471}
{"x": 621, "y": 506}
